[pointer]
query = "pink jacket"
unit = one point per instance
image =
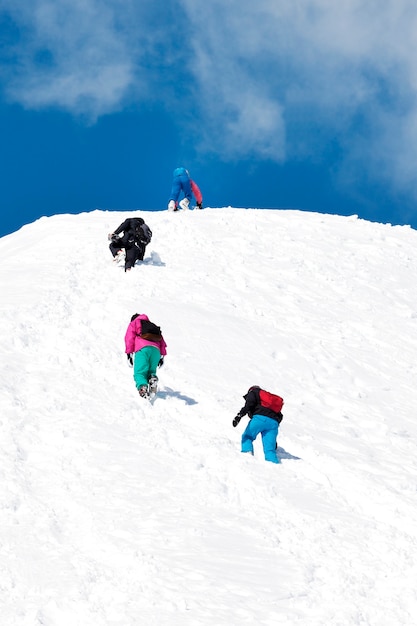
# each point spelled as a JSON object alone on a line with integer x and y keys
{"x": 134, "y": 342}
{"x": 196, "y": 191}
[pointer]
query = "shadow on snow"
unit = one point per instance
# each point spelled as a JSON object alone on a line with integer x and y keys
{"x": 283, "y": 454}
{"x": 170, "y": 393}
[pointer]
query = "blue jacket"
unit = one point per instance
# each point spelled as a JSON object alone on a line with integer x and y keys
{"x": 180, "y": 171}
{"x": 181, "y": 182}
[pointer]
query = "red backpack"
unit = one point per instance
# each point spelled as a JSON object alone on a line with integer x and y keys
{"x": 271, "y": 401}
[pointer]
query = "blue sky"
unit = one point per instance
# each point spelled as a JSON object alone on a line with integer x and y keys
{"x": 308, "y": 104}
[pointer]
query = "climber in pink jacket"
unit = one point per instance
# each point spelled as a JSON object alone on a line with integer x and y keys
{"x": 145, "y": 349}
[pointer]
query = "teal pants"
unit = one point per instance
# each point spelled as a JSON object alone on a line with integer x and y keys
{"x": 268, "y": 428}
{"x": 145, "y": 364}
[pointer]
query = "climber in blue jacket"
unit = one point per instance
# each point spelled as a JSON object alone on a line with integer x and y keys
{"x": 182, "y": 183}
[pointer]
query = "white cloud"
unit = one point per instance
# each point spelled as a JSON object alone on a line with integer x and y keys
{"x": 71, "y": 54}
{"x": 274, "y": 78}
{"x": 258, "y": 124}
{"x": 91, "y": 94}
{"x": 335, "y": 72}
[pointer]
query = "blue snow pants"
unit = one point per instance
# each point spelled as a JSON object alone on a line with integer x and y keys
{"x": 268, "y": 428}
{"x": 181, "y": 183}
{"x": 145, "y": 364}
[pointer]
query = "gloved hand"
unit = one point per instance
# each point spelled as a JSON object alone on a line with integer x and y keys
{"x": 199, "y": 205}
{"x": 130, "y": 359}
{"x": 236, "y": 420}
{"x": 161, "y": 361}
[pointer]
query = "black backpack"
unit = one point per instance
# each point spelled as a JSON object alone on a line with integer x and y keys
{"x": 141, "y": 231}
{"x": 145, "y": 234}
{"x": 150, "y": 331}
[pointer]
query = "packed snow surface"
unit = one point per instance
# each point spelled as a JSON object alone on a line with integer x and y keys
{"x": 118, "y": 512}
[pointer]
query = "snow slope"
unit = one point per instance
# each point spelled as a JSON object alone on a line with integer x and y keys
{"x": 117, "y": 512}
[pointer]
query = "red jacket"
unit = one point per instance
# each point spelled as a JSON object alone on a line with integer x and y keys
{"x": 196, "y": 191}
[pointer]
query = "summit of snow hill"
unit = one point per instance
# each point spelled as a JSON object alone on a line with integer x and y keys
{"x": 116, "y": 511}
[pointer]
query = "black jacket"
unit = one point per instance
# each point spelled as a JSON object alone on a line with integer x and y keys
{"x": 134, "y": 231}
{"x": 253, "y": 406}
